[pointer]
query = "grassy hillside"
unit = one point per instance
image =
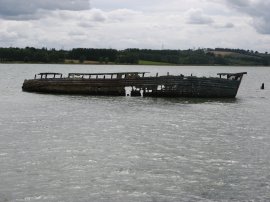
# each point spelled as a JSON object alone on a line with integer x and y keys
{"x": 217, "y": 56}
{"x": 242, "y": 57}
{"x": 146, "y": 62}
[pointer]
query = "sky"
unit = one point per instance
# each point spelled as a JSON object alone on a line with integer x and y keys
{"x": 144, "y": 24}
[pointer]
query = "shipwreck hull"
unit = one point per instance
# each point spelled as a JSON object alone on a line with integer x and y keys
{"x": 163, "y": 86}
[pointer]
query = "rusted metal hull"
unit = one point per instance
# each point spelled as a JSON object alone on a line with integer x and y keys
{"x": 163, "y": 86}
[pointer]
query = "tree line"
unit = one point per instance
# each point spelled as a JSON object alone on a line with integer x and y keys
{"x": 133, "y": 56}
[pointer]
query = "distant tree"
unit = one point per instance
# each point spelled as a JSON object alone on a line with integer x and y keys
{"x": 82, "y": 59}
{"x": 106, "y": 60}
{"x": 101, "y": 60}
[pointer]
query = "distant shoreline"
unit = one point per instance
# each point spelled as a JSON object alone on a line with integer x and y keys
{"x": 115, "y": 64}
{"x": 91, "y": 56}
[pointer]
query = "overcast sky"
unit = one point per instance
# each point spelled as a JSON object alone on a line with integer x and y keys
{"x": 120, "y": 24}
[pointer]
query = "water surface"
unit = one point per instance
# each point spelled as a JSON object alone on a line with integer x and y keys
{"x": 89, "y": 148}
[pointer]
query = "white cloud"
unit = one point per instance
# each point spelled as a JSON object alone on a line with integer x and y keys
{"x": 125, "y": 4}
{"x": 98, "y": 16}
{"x": 17, "y": 9}
{"x": 136, "y": 24}
{"x": 229, "y": 25}
{"x": 239, "y": 3}
{"x": 196, "y": 16}
{"x": 258, "y": 10}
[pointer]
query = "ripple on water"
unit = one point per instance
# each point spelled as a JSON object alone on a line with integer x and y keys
{"x": 87, "y": 148}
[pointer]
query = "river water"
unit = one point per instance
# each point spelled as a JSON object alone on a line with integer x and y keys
{"x": 88, "y": 148}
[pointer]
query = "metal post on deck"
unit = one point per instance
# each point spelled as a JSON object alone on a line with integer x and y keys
{"x": 156, "y": 74}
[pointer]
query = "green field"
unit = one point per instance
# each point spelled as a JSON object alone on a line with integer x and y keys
{"x": 146, "y": 62}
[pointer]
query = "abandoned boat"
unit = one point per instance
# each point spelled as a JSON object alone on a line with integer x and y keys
{"x": 136, "y": 84}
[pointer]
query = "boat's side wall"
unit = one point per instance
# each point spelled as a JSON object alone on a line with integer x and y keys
{"x": 168, "y": 86}
{"x": 69, "y": 86}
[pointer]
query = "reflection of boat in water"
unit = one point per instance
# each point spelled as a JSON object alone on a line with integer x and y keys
{"x": 136, "y": 84}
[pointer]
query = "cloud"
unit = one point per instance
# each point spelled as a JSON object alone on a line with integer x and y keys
{"x": 98, "y": 16}
{"x": 229, "y": 25}
{"x": 258, "y": 10}
{"x": 123, "y": 15}
{"x": 239, "y": 3}
{"x": 16, "y": 9}
{"x": 7, "y": 37}
{"x": 95, "y": 17}
{"x": 125, "y": 4}
{"x": 124, "y": 24}
{"x": 196, "y": 16}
